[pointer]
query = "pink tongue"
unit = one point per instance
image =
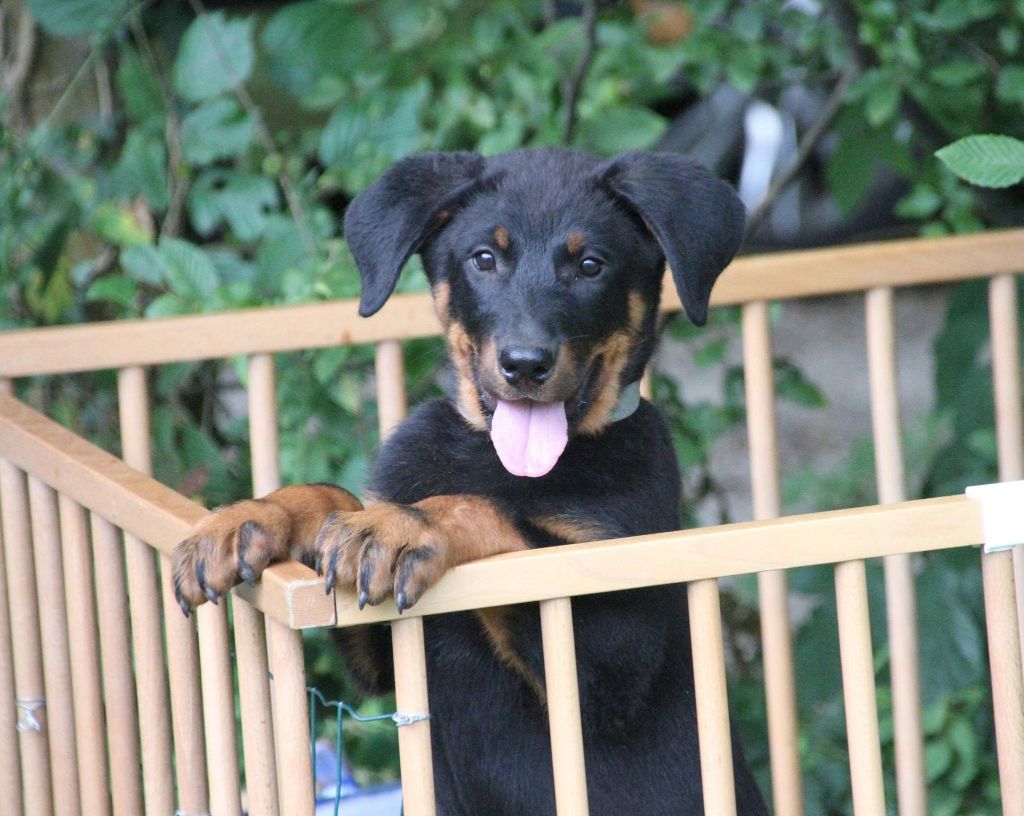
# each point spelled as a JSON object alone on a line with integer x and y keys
{"x": 529, "y": 436}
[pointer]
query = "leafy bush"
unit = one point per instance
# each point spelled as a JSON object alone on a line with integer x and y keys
{"x": 217, "y": 177}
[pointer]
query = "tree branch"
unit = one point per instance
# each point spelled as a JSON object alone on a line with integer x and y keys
{"x": 572, "y": 86}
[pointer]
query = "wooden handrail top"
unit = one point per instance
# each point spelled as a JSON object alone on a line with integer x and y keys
{"x": 294, "y": 594}
{"x": 138, "y": 504}
{"x": 780, "y": 276}
{"x": 690, "y": 555}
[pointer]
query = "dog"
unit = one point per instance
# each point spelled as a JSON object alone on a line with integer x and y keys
{"x": 546, "y": 269}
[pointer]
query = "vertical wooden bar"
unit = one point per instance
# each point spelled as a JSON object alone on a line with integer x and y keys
{"x": 900, "y": 596}
{"x": 60, "y": 710}
{"x": 407, "y": 643}
{"x": 414, "y": 750}
{"x": 1004, "y": 656}
{"x": 28, "y": 661}
{"x": 859, "y": 689}
{"x": 144, "y": 599}
{"x": 289, "y": 703}
{"x": 1006, "y": 374}
{"x": 716, "y": 768}
{"x": 780, "y": 687}
{"x": 115, "y": 654}
{"x": 647, "y": 382}
{"x": 391, "y": 403}
{"x": 83, "y": 636}
{"x": 10, "y": 760}
{"x": 1003, "y": 572}
{"x": 186, "y": 700}
{"x": 563, "y": 698}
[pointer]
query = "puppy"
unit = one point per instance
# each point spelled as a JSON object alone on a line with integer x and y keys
{"x": 546, "y": 270}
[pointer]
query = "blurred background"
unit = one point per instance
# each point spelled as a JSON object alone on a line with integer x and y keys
{"x": 171, "y": 156}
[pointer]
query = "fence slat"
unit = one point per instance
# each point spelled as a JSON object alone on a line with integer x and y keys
{"x": 390, "y": 369}
{"x": 288, "y": 699}
{"x": 83, "y": 637}
{"x": 60, "y": 713}
{"x": 1004, "y": 657}
{"x": 115, "y": 654}
{"x": 145, "y": 606}
{"x": 859, "y": 689}
{"x": 773, "y": 591}
{"x": 414, "y": 750}
{"x": 28, "y": 660}
{"x": 10, "y": 759}
{"x": 716, "y": 767}
{"x": 1006, "y": 373}
{"x": 563, "y": 699}
{"x": 900, "y": 596}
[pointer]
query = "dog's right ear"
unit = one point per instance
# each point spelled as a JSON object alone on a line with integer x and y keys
{"x": 389, "y": 221}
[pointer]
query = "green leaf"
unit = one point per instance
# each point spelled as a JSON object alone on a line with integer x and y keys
{"x": 145, "y": 263}
{"x": 313, "y": 45}
{"x": 243, "y": 200}
{"x": 215, "y": 55}
{"x": 190, "y": 272}
{"x": 217, "y": 129}
{"x": 958, "y": 72}
{"x": 791, "y": 385}
{"x": 986, "y": 160}
{"x": 114, "y": 288}
{"x": 141, "y": 170}
{"x": 139, "y": 87}
{"x": 1010, "y": 85}
{"x": 118, "y": 225}
{"x": 625, "y": 127}
{"x": 921, "y": 202}
{"x": 76, "y": 18}
{"x": 881, "y": 103}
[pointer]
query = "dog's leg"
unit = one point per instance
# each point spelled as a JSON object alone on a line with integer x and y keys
{"x": 401, "y": 550}
{"x": 236, "y": 542}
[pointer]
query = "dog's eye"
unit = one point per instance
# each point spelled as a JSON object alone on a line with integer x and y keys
{"x": 484, "y": 261}
{"x": 590, "y": 267}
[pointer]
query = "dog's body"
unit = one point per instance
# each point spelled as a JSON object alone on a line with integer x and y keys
{"x": 546, "y": 269}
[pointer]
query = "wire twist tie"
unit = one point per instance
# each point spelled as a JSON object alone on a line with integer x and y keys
{"x": 401, "y": 718}
{"x": 29, "y": 706}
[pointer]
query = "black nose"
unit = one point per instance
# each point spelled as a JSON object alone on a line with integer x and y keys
{"x": 521, "y": 364}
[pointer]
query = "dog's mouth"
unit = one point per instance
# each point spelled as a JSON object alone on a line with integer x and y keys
{"x": 530, "y": 435}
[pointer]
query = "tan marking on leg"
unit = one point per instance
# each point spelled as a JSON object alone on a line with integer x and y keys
{"x": 501, "y": 237}
{"x": 574, "y": 242}
{"x": 497, "y": 622}
{"x": 570, "y": 530}
{"x": 461, "y": 349}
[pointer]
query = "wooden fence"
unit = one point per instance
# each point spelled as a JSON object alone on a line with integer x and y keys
{"x": 90, "y": 634}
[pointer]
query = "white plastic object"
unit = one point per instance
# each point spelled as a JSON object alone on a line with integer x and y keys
{"x": 1002, "y": 514}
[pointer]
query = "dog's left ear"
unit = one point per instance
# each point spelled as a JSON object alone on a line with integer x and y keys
{"x": 697, "y": 218}
{"x": 389, "y": 221}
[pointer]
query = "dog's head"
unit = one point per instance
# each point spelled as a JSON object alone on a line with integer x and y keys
{"x": 546, "y": 270}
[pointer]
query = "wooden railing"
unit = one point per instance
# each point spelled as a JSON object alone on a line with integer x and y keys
{"x": 52, "y": 649}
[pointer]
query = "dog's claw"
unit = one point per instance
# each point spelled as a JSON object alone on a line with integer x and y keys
{"x": 363, "y": 598}
{"x": 185, "y": 608}
{"x": 400, "y": 602}
{"x": 246, "y": 573}
{"x": 211, "y": 595}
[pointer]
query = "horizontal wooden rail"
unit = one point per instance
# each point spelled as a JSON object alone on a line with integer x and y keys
{"x": 781, "y": 276}
{"x": 140, "y": 505}
{"x": 690, "y": 555}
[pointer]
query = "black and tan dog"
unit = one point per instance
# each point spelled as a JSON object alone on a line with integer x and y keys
{"x": 546, "y": 269}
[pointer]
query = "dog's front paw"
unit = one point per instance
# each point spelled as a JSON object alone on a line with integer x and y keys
{"x": 384, "y": 550}
{"x": 232, "y": 544}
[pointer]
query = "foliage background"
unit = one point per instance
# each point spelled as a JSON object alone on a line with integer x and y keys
{"x": 162, "y": 158}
